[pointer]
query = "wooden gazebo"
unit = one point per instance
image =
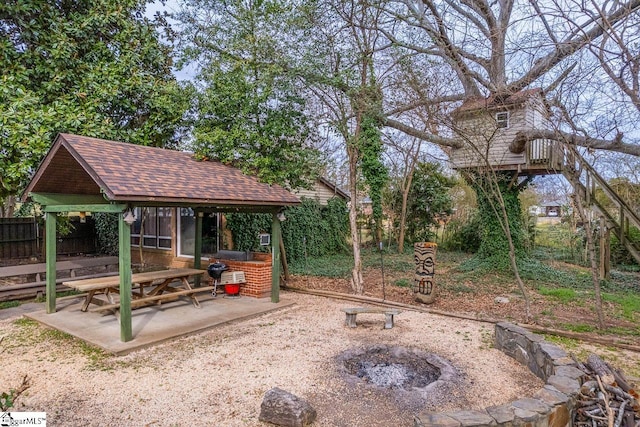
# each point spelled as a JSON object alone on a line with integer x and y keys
{"x": 82, "y": 174}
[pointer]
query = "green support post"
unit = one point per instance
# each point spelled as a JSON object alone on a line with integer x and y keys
{"x": 276, "y": 235}
{"x": 197, "y": 250}
{"x": 124, "y": 246}
{"x": 50, "y": 253}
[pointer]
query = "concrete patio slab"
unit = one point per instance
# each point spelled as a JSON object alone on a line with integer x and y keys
{"x": 154, "y": 324}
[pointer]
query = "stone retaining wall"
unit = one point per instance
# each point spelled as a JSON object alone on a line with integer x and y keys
{"x": 550, "y": 406}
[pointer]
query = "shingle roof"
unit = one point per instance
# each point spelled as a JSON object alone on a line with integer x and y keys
{"x": 134, "y": 173}
{"x": 494, "y": 102}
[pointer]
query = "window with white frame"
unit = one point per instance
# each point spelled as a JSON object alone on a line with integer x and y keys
{"x": 502, "y": 119}
{"x": 155, "y": 225}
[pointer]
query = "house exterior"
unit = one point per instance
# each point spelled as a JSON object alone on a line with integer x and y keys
{"x": 553, "y": 209}
{"x": 486, "y": 127}
{"x": 323, "y": 190}
{"x": 168, "y": 233}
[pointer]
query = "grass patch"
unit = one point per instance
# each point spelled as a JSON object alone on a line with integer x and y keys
{"x": 622, "y": 331}
{"x": 566, "y": 343}
{"x": 342, "y": 264}
{"x": 629, "y": 303}
{"x": 563, "y": 295}
{"x": 33, "y": 332}
{"x": 9, "y": 304}
{"x": 578, "y": 327}
{"x": 403, "y": 283}
{"x": 460, "y": 288}
{"x": 326, "y": 266}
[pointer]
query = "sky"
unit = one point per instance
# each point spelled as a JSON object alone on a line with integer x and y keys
{"x": 171, "y": 6}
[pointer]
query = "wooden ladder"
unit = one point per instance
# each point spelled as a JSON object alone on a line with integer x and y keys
{"x": 584, "y": 179}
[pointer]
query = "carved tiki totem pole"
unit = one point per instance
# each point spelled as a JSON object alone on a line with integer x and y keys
{"x": 424, "y": 285}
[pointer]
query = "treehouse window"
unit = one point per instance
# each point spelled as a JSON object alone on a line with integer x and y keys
{"x": 502, "y": 119}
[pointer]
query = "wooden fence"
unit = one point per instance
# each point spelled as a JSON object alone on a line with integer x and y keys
{"x": 24, "y": 238}
{"x": 18, "y": 238}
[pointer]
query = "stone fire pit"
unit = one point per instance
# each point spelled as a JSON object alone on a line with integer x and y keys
{"x": 412, "y": 376}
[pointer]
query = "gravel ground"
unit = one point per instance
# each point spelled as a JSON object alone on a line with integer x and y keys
{"x": 219, "y": 377}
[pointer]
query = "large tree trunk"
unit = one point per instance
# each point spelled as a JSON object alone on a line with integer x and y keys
{"x": 591, "y": 249}
{"x": 7, "y": 209}
{"x": 502, "y": 226}
{"x": 403, "y": 220}
{"x": 357, "y": 283}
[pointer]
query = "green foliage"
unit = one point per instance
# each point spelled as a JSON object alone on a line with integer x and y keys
{"x": 92, "y": 68}
{"x": 6, "y": 400}
{"x": 494, "y": 247}
{"x": 246, "y": 228}
{"x": 560, "y": 242}
{"x": 250, "y": 112}
{"x": 338, "y": 266}
{"x": 561, "y": 294}
{"x": 107, "y": 232}
{"x": 428, "y": 201}
{"x": 310, "y": 230}
{"x": 63, "y": 224}
{"x": 336, "y": 218}
{"x": 9, "y": 304}
{"x": 374, "y": 171}
{"x": 619, "y": 254}
{"x": 629, "y": 302}
{"x": 462, "y": 235}
{"x": 403, "y": 283}
{"x": 253, "y": 125}
{"x": 578, "y": 327}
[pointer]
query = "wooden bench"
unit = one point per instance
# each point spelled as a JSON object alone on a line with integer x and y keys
{"x": 389, "y": 314}
{"x": 35, "y": 275}
{"x": 160, "y": 282}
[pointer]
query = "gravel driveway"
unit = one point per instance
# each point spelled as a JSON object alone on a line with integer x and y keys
{"x": 219, "y": 377}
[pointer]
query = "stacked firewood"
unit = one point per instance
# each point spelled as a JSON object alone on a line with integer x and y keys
{"x": 606, "y": 398}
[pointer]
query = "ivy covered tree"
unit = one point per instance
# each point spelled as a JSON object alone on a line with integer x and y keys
{"x": 250, "y": 113}
{"x": 374, "y": 171}
{"x": 494, "y": 194}
{"x": 94, "y": 68}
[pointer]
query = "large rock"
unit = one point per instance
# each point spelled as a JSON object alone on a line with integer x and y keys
{"x": 282, "y": 408}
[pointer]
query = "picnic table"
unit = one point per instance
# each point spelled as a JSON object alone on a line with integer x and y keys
{"x": 149, "y": 287}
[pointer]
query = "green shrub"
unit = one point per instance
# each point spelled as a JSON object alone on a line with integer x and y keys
{"x": 107, "y": 232}
{"x": 463, "y": 236}
{"x": 619, "y": 254}
{"x": 562, "y": 294}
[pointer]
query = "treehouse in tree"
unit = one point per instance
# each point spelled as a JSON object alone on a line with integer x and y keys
{"x": 488, "y": 131}
{"x": 504, "y": 133}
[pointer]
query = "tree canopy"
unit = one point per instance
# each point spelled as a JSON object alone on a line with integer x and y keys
{"x": 249, "y": 112}
{"x": 95, "y": 68}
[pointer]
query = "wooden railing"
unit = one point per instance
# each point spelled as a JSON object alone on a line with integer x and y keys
{"x": 545, "y": 153}
{"x": 585, "y": 179}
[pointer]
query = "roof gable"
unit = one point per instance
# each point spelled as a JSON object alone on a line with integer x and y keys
{"x": 494, "y": 103}
{"x": 134, "y": 173}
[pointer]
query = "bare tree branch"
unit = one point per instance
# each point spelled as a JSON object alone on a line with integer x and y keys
{"x": 519, "y": 143}
{"x": 424, "y": 103}
{"x": 426, "y": 136}
{"x": 570, "y": 46}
